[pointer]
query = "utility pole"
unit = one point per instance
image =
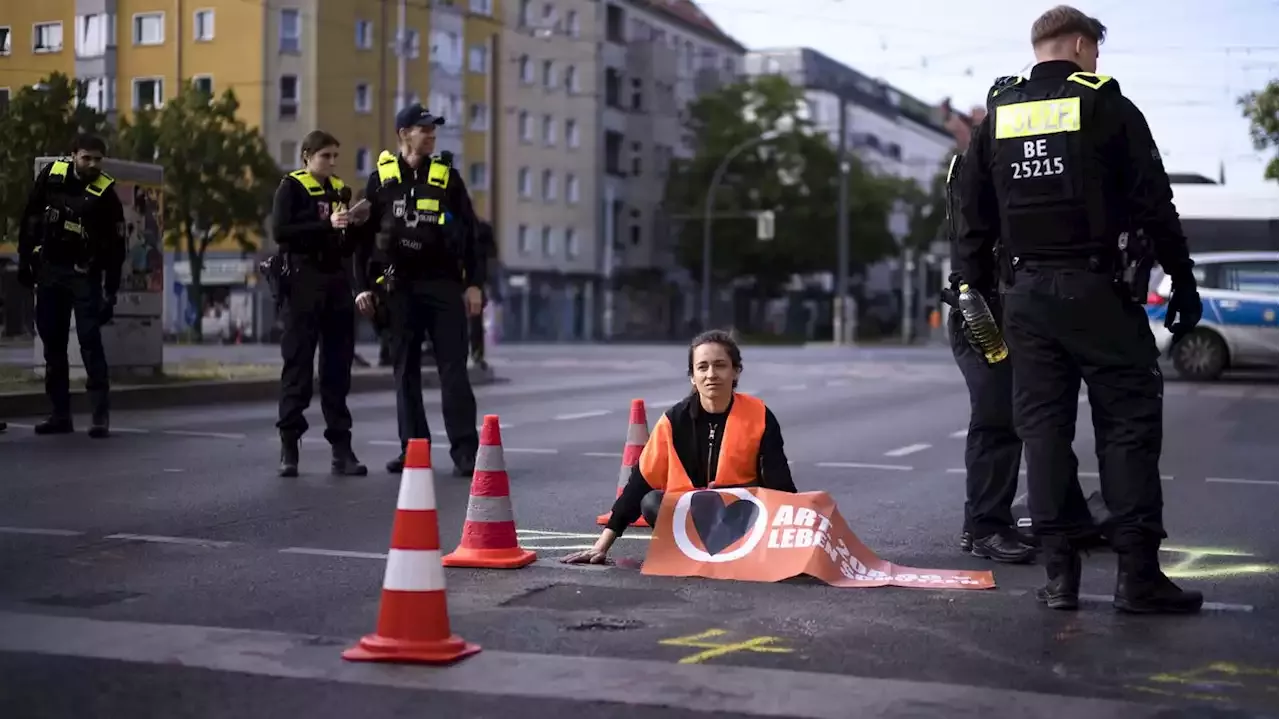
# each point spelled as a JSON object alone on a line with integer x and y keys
{"x": 402, "y": 11}
{"x": 840, "y": 305}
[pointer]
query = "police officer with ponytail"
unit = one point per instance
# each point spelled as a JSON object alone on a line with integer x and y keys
{"x": 1063, "y": 171}
{"x": 427, "y": 278}
{"x": 309, "y": 220}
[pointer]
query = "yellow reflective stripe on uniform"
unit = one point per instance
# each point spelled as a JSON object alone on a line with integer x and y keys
{"x": 59, "y": 169}
{"x": 337, "y": 183}
{"x": 74, "y": 227}
{"x": 427, "y": 204}
{"x": 1090, "y": 80}
{"x": 100, "y": 184}
{"x": 308, "y": 181}
{"x": 438, "y": 174}
{"x": 388, "y": 168}
{"x": 1039, "y": 117}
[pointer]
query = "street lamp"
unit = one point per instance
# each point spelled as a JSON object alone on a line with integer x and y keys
{"x": 716, "y": 177}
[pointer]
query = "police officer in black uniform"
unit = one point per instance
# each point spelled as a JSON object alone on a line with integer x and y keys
{"x": 429, "y": 279}
{"x": 309, "y": 219}
{"x": 1065, "y": 171}
{"x": 71, "y": 248}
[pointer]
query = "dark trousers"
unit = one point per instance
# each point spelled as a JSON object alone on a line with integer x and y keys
{"x": 421, "y": 308}
{"x": 60, "y": 293}
{"x": 475, "y": 334}
{"x": 319, "y": 311}
{"x": 1063, "y": 325}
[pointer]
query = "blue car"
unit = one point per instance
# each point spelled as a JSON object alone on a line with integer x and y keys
{"x": 1240, "y": 292}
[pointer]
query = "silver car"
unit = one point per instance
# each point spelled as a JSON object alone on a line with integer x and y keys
{"x": 1240, "y": 292}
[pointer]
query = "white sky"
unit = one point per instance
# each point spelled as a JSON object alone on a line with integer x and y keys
{"x": 1183, "y": 62}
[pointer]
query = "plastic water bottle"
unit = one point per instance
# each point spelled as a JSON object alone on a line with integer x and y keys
{"x": 982, "y": 325}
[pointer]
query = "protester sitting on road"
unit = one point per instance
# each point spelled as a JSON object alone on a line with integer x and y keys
{"x": 716, "y": 437}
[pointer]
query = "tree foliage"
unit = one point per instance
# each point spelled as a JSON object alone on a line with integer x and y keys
{"x": 219, "y": 176}
{"x": 795, "y": 174}
{"x": 1262, "y": 109}
{"x": 42, "y": 120}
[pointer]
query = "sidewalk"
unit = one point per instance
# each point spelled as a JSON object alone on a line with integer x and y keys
{"x": 22, "y": 354}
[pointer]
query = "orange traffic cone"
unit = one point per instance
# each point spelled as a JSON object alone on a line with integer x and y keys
{"x": 489, "y": 534}
{"x": 413, "y": 621}
{"x": 637, "y": 436}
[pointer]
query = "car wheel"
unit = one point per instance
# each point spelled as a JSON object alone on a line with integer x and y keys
{"x": 1201, "y": 356}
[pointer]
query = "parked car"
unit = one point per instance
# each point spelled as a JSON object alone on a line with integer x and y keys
{"x": 1240, "y": 292}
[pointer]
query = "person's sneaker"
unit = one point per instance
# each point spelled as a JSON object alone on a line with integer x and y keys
{"x": 1001, "y": 548}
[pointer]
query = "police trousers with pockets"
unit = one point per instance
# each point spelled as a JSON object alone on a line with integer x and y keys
{"x": 319, "y": 312}
{"x": 433, "y": 308}
{"x": 1063, "y": 325}
{"x": 60, "y": 293}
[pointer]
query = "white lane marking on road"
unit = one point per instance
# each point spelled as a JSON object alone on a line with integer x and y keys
{"x": 40, "y": 532}
{"x": 173, "y": 470}
{"x": 663, "y": 403}
{"x": 541, "y": 535}
{"x": 863, "y": 465}
{"x": 1235, "y": 480}
{"x": 385, "y": 442}
{"x": 334, "y": 553}
{"x": 501, "y": 425}
{"x": 909, "y": 449}
{"x": 206, "y": 435}
{"x": 19, "y": 425}
{"x": 793, "y": 387}
{"x": 610, "y": 455}
{"x": 581, "y": 415}
{"x": 960, "y": 433}
{"x": 1223, "y": 392}
{"x": 530, "y": 450}
{"x": 838, "y": 383}
{"x": 130, "y": 430}
{"x": 962, "y": 470}
{"x": 160, "y": 539}
{"x": 1208, "y": 606}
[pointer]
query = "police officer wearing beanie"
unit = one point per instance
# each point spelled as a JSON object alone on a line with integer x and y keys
{"x": 309, "y": 218}
{"x": 71, "y": 248}
{"x": 1064, "y": 172}
{"x": 426, "y": 276}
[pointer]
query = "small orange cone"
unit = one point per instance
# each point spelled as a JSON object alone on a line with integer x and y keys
{"x": 637, "y": 436}
{"x": 489, "y": 534}
{"x": 413, "y": 621}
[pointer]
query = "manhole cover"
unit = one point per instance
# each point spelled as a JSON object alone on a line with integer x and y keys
{"x": 608, "y": 624}
{"x": 87, "y": 600}
{"x": 580, "y": 597}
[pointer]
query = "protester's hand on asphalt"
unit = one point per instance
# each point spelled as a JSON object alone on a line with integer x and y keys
{"x": 587, "y": 556}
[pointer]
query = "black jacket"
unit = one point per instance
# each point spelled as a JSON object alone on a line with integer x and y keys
{"x": 370, "y": 263}
{"x": 690, "y": 433}
{"x": 301, "y": 226}
{"x": 1135, "y": 177}
{"x": 105, "y": 227}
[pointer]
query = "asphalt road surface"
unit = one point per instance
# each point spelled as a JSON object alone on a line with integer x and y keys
{"x": 169, "y": 573}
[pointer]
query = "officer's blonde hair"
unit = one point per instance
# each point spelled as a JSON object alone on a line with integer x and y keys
{"x": 1064, "y": 21}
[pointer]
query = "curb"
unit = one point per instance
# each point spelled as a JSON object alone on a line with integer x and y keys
{"x": 189, "y": 394}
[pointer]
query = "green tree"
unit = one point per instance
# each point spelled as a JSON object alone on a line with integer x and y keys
{"x": 42, "y": 120}
{"x": 926, "y": 210}
{"x": 1262, "y": 109}
{"x": 218, "y": 175}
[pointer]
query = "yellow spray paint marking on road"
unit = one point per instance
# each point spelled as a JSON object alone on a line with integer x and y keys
{"x": 1198, "y": 563}
{"x": 760, "y": 645}
{"x": 1212, "y": 682}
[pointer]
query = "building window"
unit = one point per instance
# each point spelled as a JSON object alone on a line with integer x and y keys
{"x": 479, "y": 116}
{"x": 289, "y": 156}
{"x": 548, "y": 242}
{"x": 446, "y": 50}
{"x": 100, "y": 93}
{"x": 364, "y": 98}
{"x": 525, "y": 182}
{"x": 613, "y": 153}
{"x": 549, "y": 74}
{"x": 46, "y": 37}
{"x": 548, "y": 186}
{"x": 548, "y": 15}
{"x": 362, "y": 161}
{"x": 573, "y": 23}
{"x": 202, "y": 26}
{"x": 548, "y": 131}
{"x": 479, "y": 59}
{"x": 290, "y": 31}
{"x": 94, "y": 34}
{"x": 526, "y": 70}
{"x": 148, "y": 28}
{"x": 524, "y": 13}
{"x": 571, "y": 82}
{"x": 571, "y": 248}
{"x": 148, "y": 92}
{"x": 572, "y": 135}
{"x": 572, "y": 192}
{"x": 482, "y": 7}
{"x": 413, "y": 41}
{"x": 6, "y": 41}
{"x": 288, "y": 97}
{"x": 636, "y": 151}
{"x": 526, "y": 127}
{"x": 615, "y": 22}
{"x": 204, "y": 84}
{"x": 478, "y": 176}
{"x": 637, "y": 95}
{"x": 364, "y": 35}
{"x": 522, "y": 239}
{"x": 613, "y": 88}
{"x": 635, "y": 235}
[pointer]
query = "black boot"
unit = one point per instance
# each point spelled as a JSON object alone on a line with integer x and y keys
{"x": 56, "y": 424}
{"x": 288, "y": 456}
{"x": 4, "y": 426}
{"x": 101, "y": 427}
{"x": 1003, "y": 547}
{"x": 345, "y": 462}
{"x": 966, "y": 541}
{"x": 1062, "y": 567}
{"x": 1141, "y": 588}
{"x": 396, "y": 466}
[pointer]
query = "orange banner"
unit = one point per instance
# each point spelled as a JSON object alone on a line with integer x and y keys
{"x": 760, "y": 535}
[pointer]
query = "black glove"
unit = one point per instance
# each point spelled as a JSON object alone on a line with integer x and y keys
{"x": 108, "y": 311}
{"x": 1185, "y": 308}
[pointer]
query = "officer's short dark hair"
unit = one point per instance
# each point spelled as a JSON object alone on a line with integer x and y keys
{"x": 1065, "y": 20}
{"x": 88, "y": 142}
{"x": 725, "y": 340}
{"x": 315, "y": 141}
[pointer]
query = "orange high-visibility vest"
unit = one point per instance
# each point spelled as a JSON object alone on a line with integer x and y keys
{"x": 739, "y": 450}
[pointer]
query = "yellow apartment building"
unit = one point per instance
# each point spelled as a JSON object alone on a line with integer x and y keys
{"x": 295, "y": 65}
